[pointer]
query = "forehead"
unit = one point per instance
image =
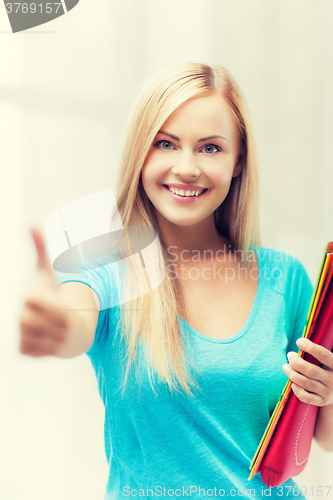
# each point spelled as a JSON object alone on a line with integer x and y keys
{"x": 208, "y": 111}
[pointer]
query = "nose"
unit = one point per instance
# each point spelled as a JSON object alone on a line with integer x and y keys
{"x": 186, "y": 165}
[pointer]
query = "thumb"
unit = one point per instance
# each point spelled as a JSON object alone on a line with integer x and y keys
{"x": 43, "y": 263}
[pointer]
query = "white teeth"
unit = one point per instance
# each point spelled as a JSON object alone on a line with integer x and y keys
{"x": 181, "y": 192}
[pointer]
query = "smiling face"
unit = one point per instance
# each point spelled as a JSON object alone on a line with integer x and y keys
{"x": 195, "y": 149}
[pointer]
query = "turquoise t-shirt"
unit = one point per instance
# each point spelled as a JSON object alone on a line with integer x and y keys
{"x": 173, "y": 445}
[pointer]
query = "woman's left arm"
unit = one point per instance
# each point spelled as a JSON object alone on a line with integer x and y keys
{"x": 313, "y": 384}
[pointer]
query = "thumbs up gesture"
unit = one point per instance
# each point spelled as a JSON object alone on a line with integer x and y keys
{"x": 44, "y": 321}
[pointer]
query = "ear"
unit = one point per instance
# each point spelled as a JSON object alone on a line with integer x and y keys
{"x": 238, "y": 167}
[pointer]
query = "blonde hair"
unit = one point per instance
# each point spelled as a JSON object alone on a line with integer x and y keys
{"x": 151, "y": 321}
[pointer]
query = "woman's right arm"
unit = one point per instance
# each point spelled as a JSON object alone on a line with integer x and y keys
{"x": 83, "y": 315}
{"x": 56, "y": 320}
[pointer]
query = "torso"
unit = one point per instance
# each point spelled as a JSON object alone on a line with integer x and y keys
{"x": 218, "y": 307}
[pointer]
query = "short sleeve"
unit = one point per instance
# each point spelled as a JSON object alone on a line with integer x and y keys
{"x": 300, "y": 299}
{"x": 105, "y": 279}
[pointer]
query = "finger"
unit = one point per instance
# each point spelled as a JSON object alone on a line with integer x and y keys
{"x": 40, "y": 330}
{"x": 306, "y": 397}
{"x": 40, "y": 247}
{"x": 40, "y": 347}
{"x": 43, "y": 262}
{"x": 308, "y": 384}
{"x": 36, "y": 352}
{"x": 41, "y": 310}
{"x": 319, "y": 352}
{"x": 308, "y": 369}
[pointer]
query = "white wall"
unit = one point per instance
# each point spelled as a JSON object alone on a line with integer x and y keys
{"x": 66, "y": 91}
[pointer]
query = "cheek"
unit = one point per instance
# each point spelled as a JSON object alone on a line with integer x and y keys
{"x": 223, "y": 176}
{"x": 222, "y": 179}
{"x": 151, "y": 172}
{"x": 150, "y": 177}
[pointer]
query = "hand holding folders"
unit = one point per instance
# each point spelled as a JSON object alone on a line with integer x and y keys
{"x": 285, "y": 446}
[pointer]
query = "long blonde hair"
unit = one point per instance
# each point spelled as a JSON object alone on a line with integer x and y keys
{"x": 151, "y": 321}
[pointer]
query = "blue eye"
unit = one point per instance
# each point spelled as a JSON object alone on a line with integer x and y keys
{"x": 158, "y": 143}
{"x": 170, "y": 146}
{"x": 217, "y": 148}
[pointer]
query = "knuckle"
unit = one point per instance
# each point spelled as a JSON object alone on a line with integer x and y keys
{"x": 325, "y": 355}
{"x": 310, "y": 385}
{"x": 326, "y": 395}
{"x": 34, "y": 334}
{"x": 38, "y": 332}
{"x": 308, "y": 398}
{"x": 312, "y": 371}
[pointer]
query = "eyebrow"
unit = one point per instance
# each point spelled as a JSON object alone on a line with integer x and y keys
{"x": 200, "y": 140}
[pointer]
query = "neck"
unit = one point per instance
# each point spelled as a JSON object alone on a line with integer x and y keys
{"x": 199, "y": 237}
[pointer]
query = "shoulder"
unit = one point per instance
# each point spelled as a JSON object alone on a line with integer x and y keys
{"x": 105, "y": 274}
{"x": 282, "y": 270}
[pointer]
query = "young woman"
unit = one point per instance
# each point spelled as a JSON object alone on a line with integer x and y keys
{"x": 190, "y": 372}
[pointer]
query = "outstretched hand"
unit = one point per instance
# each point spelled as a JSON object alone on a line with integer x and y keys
{"x": 311, "y": 384}
{"x": 44, "y": 322}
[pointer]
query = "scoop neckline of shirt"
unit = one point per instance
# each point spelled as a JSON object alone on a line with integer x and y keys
{"x": 249, "y": 319}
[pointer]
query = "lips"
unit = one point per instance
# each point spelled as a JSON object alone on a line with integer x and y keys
{"x": 185, "y": 188}
{"x": 185, "y": 199}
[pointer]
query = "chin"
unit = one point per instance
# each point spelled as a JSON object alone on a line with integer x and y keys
{"x": 182, "y": 222}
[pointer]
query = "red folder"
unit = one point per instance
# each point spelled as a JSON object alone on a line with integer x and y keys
{"x": 285, "y": 446}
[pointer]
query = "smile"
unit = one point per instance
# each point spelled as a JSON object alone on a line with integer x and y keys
{"x": 184, "y": 196}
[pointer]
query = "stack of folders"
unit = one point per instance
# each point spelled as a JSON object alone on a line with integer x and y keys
{"x": 285, "y": 446}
